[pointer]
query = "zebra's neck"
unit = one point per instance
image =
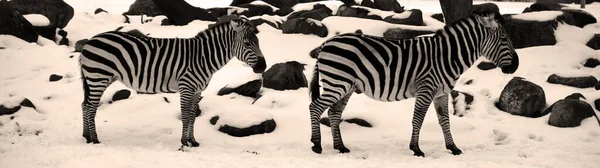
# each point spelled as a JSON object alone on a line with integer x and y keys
{"x": 216, "y": 45}
{"x": 461, "y": 41}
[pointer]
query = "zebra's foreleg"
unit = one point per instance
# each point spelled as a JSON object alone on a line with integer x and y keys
{"x": 335, "y": 117}
{"x": 441, "y": 107}
{"x": 423, "y": 100}
{"x": 188, "y": 117}
{"x": 196, "y": 105}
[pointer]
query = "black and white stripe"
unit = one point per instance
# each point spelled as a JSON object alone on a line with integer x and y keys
{"x": 161, "y": 65}
{"x": 425, "y": 68}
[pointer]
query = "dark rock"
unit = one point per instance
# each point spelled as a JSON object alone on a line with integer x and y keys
{"x": 401, "y": 33}
{"x": 121, "y": 95}
{"x": 47, "y": 32}
{"x": 13, "y": 23}
{"x": 214, "y": 120}
{"x": 521, "y": 97}
{"x": 62, "y": 33}
{"x": 319, "y": 12}
{"x": 165, "y": 22}
{"x": 99, "y": 10}
{"x": 367, "y": 3}
{"x": 256, "y": 10}
{"x": 79, "y": 45}
{"x": 485, "y": 8}
{"x": 569, "y": 113}
{"x": 265, "y": 127}
{"x": 438, "y": 16}
{"x": 578, "y": 82}
{"x": 54, "y": 78}
{"x": 276, "y": 3}
{"x": 591, "y": 63}
{"x": 315, "y": 52}
{"x": 221, "y": 11}
{"x": 349, "y": 11}
{"x": 144, "y": 7}
{"x": 359, "y": 121}
{"x": 389, "y": 5}
{"x": 64, "y": 40}
{"x": 358, "y": 31}
{"x": 543, "y": 6}
{"x": 180, "y": 12}
{"x": 470, "y": 81}
{"x": 166, "y": 100}
{"x": 57, "y": 11}
{"x": 594, "y": 43}
{"x": 597, "y": 86}
{"x": 285, "y": 76}
{"x": 304, "y": 26}
{"x": 415, "y": 18}
{"x": 580, "y": 17}
{"x": 249, "y": 89}
{"x": 27, "y": 103}
{"x": 259, "y": 21}
{"x": 486, "y": 66}
{"x": 466, "y": 99}
{"x": 526, "y": 33}
{"x": 8, "y": 110}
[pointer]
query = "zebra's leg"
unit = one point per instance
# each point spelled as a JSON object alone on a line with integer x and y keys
{"x": 93, "y": 90}
{"x": 316, "y": 108}
{"x": 188, "y": 116}
{"x": 335, "y": 117}
{"x": 422, "y": 103}
{"x": 441, "y": 107}
{"x": 197, "y": 106}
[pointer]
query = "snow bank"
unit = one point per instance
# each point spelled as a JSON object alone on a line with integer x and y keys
{"x": 565, "y": 32}
{"x": 333, "y": 5}
{"x": 9, "y": 41}
{"x": 264, "y": 4}
{"x": 538, "y": 16}
{"x": 37, "y": 19}
{"x": 368, "y": 26}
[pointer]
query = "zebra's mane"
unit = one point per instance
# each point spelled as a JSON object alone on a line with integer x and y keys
{"x": 245, "y": 22}
{"x": 497, "y": 17}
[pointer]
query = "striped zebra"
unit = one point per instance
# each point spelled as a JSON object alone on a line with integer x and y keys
{"x": 424, "y": 67}
{"x": 164, "y": 65}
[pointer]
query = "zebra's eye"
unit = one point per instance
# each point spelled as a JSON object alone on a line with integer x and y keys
{"x": 247, "y": 43}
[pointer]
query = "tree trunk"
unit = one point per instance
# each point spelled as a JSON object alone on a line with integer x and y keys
{"x": 455, "y": 9}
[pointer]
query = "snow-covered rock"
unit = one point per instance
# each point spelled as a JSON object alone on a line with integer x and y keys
{"x": 285, "y": 76}
{"x": 37, "y": 20}
{"x": 579, "y": 81}
{"x": 522, "y": 97}
{"x": 570, "y": 113}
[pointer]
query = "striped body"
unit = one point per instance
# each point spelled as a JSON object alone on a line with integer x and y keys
{"x": 425, "y": 68}
{"x": 161, "y": 65}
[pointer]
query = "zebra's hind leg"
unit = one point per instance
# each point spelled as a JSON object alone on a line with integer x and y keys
{"x": 335, "y": 117}
{"x": 316, "y": 109}
{"x": 93, "y": 89}
{"x": 188, "y": 117}
{"x": 422, "y": 103}
{"x": 441, "y": 107}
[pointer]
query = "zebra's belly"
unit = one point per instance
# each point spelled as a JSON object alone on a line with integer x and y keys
{"x": 389, "y": 93}
{"x": 151, "y": 85}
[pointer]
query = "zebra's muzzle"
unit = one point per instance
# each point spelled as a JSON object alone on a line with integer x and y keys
{"x": 514, "y": 65}
{"x": 260, "y": 65}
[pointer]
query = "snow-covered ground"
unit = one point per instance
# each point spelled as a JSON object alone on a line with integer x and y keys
{"x": 144, "y": 130}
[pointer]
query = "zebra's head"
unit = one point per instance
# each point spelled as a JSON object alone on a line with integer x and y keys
{"x": 496, "y": 45}
{"x": 245, "y": 45}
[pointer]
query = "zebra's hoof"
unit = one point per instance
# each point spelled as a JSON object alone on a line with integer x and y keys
{"x": 317, "y": 149}
{"x": 343, "y": 149}
{"x": 417, "y": 150}
{"x": 419, "y": 154}
{"x": 91, "y": 140}
{"x": 194, "y": 144}
{"x": 454, "y": 149}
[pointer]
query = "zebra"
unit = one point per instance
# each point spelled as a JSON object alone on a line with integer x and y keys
{"x": 425, "y": 68}
{"x": 164, "y": 65}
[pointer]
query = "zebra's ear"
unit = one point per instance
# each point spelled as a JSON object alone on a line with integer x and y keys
{"x": 236, "y": 25}
{"x": 488, "y": 21}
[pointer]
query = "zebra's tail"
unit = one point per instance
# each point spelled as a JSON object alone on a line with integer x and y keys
{"x": 314, "y": 84}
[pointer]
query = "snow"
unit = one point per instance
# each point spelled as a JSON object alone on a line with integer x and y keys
{"x": 264, "y": 4}
{"x": 144, "y": 130}
{"x": 538, "y": 16}
{"x": 369, "y": 26}
{"x": 565, "y": 32}
{"x": 37, "y": 19}
{"x": 333, "y": 5}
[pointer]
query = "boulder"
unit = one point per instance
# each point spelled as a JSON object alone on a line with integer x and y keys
{"x": 304, "y": 26}
{"x": 580, "y": 17}
{"x": 256, "y": 10}
{"x": 79, "y": 45}
{"x": 121, "y": 95}
{"x": 319, "y": 12}
{"x": 578, "y": 82}
{"x": 8, "y": 110}
{"x": 415, "y": 18}
{"x": 165, "y": 22}
{"x": 55, "y": 77}
{"x": 266, "y": 126}
{"x": 350, "y": 11}
{"x": 543, "y": 6}
{"x": 521, "y": 97}
{"x": 27, "y": 103}
{"x": 594, "y": 43}
{"x": 486, "y": 65}
{"x": 597, "y": 104}
{"x": 259, "y": 21}
{"x": 389, "y": 5}
{"x": 461, "y": 102}
{"x": 276, "y": 3}
{"x": 528, "y": 33}
{"x": 63, "y": 38}
{"x": 569, "y": 113}
{"x": 597, "y": 86}
{"x": 285, "y": 76}
{"x": 591, "y": 63}
{"x": 249, "y": 89}
{"x": 438, "y": 16}
{"x": 314, "y": 53}
{"x": 47, "y": 32}
{"x": 367, "y": 3}
{"x": 99, "y": 10}
{"x": 144, "y": 7}
{"x": 13, "y": 23}
{"x": 57, "y": 11}
{"x": 485, "y": 8}
{"x": 180, "y": 12}
{"x": 401, "y": 33}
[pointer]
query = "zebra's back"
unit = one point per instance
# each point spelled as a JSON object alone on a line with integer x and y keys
{"x": 382, "y": 69}
{"x": 142, "y": 63}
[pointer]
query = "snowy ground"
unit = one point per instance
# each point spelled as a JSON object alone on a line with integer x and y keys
{"x": 143, "y": 131}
